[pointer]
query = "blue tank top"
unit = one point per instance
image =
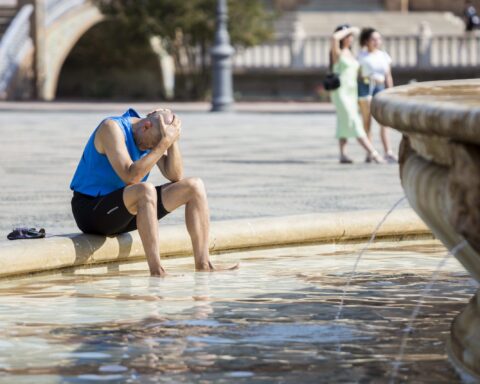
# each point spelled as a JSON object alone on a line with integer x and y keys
{"x": 95, "y": 175}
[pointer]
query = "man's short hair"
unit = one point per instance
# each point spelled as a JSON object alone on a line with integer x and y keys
{"x": 154, "y": 117}
{"x": 166, "y": 113}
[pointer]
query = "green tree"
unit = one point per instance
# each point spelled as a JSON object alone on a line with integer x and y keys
{"x": 187, "y": 29}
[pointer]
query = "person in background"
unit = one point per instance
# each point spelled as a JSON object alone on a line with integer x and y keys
{"x": 375, "y": 76}
{"x": 471, "y": 18}
{"x": 345, "y": 98}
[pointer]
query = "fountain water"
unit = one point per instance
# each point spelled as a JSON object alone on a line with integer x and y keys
{"x": 360, "y": 254}
{"x": 270, "y": 321}
{"x": 416, "y": 311}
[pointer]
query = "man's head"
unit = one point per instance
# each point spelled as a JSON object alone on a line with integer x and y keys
{"x": 150, "y": 131}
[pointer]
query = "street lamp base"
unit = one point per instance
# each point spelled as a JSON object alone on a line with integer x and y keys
{"x": 222, "y": 107}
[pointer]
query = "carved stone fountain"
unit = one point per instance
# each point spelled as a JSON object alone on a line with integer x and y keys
{"x": 440, "y": 173}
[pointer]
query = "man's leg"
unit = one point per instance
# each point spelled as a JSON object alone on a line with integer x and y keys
{"x": 191, "y": 193}
{"x": 141, "y": 200}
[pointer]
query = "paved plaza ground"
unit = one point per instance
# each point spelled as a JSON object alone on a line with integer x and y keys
{"x": 263, "y": 160}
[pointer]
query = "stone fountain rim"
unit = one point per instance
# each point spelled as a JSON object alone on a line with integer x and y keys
{"x": 444, "y": 118}
{"x": 23, "y": 257}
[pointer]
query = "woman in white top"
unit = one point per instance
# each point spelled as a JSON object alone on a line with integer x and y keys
{"x": 375, "y": 76}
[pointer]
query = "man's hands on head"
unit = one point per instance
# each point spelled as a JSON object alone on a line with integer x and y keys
{"x": 170, "y": 128}
{"x": 165, "y": 118}
{"x": 170, "y": 163}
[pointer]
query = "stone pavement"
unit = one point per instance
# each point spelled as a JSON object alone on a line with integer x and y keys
{"x": 270, "y": 159}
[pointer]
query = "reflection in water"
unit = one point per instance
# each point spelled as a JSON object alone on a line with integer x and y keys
{"x": 270, "y": 321}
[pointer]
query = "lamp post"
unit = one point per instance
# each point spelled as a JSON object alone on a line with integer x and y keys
{"x": 221, "y": 52}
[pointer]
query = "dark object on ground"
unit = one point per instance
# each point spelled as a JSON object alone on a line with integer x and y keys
{"x": 26, "y": 233}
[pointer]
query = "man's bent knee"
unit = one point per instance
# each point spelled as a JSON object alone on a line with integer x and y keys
{"x": 147, "y": 192}
{"x": 139, "y": 194}
{"x": 196, "y": 186}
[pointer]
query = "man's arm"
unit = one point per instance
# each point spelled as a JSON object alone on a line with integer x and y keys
{"x": 110, "y": 141}
{"x": 171, "y": 165}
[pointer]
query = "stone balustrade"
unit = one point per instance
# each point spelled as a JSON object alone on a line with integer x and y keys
{"x": 411, "y": 51}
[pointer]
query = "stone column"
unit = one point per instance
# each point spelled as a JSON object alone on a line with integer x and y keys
{"x": 167, "y": 66}
{"x": 40, "y": 58}
{"x": 26, "y": 86}
{"x": 222, "y": 51}
{"x": 298, "y": 45}
{"x": 424, "y": 45}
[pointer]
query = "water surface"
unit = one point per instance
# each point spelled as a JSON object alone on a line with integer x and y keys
{"x": 269, "y": 322}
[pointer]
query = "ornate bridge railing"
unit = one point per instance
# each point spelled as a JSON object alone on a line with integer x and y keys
{"x": 411, "y": 51}
{"x": 15, "y": 44}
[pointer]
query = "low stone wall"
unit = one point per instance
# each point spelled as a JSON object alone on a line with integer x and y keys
{"x": 253, "y": 84}
{"x": 22, "y": 257}
{"x": 306, "y": 84}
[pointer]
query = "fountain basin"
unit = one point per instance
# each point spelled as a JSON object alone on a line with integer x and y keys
{"x": 440, "y": 173}
{"x": 270, "y": 321}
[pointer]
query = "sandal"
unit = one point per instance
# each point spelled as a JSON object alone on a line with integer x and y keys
{"x": 376, "y": 158}
{"x": 26, "y": 233}
{"x": 390, "y": 158}
{"x": 345, "y": 160}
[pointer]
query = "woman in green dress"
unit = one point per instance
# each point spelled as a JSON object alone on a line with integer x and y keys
{"x": 345, "y": 98}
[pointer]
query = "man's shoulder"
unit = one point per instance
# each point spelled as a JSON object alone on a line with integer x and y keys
{"x": 109, "y": 125}
{"x": 109, "y": 129}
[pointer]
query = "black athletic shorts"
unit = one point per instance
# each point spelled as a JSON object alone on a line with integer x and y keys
{"x": 107, "y": 215}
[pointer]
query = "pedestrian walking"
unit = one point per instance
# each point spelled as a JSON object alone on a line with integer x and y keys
{"x": 345, "y": 97}
{"x": 375, "y": 76}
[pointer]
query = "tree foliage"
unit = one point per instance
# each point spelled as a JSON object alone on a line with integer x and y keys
{"x": 192, "y": 21}
{"x": 187, "y": 29}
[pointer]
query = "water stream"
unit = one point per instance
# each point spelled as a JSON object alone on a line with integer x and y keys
{"x": 359, "y": 256}
{"x": 409, "y": 328}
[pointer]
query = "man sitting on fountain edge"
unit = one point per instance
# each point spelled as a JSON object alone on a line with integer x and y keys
{"x": 111, "y": 194}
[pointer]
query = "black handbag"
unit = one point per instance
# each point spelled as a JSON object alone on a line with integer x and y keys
{"x": 331, "y": 82}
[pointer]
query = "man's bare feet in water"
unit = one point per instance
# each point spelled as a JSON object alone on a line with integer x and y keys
{"x": 158, "y": 272}
{"x": 209, "y": 267}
